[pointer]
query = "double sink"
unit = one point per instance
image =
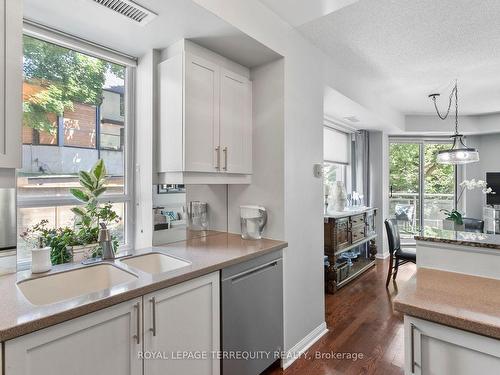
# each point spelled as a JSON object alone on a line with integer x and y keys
{"x": 64, "y": 285}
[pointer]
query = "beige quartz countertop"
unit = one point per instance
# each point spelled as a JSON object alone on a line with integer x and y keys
{"x": 206, "y": 254}
{"x": 462, "y": 301}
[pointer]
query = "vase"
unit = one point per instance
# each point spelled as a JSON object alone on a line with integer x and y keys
{"x": 451, "y": 225}
{"x": 337, "y": 200}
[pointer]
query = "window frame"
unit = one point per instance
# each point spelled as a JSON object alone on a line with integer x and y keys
{"x": 130, "y": 63}
{"x": 346, "y": 166}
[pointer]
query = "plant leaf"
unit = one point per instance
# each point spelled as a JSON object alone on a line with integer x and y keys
{"x": 87, "y": 179}
{"x": 99, "y": 191}
{"x": 80, "y": 195}
{"x": 78, "y": 211}
{"x": 99, "y": 170}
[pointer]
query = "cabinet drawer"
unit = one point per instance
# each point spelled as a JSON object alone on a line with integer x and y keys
{"x": 358, "y": 233}
{"x": 341, "y": 234}
{"x": 358, "y": 220}
{"x": 341, "y": 223}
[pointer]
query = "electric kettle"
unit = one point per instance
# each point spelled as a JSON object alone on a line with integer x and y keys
{"x": 253, "y": 220}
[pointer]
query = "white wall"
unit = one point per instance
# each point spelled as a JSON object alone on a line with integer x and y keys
{"x": 143, "y": 145}
{"x": 379, "y": 186}
{"x": 488, "y": 146}
{"x": 268, "y": 152}
{"x": 216, "y": 198}
{"x": 303, "y": 136}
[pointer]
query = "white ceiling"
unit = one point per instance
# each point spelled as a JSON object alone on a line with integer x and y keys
{"x": 298, "y": 12}
{"x": 176, "y": 19}
{"x": 406, "y": 49}
{"x": 346, "y": 112}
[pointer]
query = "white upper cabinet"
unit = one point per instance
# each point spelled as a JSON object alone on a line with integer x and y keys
{"x": 205, "y": 124}
{"x": 11, "y": 108}
{"x": 235, "y": 122}
{"x": 201, "y": 115}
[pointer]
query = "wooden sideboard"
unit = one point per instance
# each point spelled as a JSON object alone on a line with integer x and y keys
{"x": 349, "y": 245}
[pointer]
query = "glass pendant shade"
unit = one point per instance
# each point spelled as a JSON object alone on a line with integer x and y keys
{"x": 459, "y": 153}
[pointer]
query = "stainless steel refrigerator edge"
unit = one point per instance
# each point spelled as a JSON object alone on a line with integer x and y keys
{"x": 8, "y": 234}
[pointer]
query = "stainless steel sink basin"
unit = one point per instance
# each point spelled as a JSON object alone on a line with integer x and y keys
{"x": 155, "y": 262}
{"x": 65, "y": 285}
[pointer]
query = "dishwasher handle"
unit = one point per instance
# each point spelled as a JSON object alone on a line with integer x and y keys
{"x": 261, "y": 268}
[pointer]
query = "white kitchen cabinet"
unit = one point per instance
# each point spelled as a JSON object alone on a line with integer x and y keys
{"x": 184, "y": 320}
{"x": 201, "y": 114}
{"x": 235, "y": 122}
{"x": 435, "y": 349}
{"x": 205, "y": 121}
{"x": 104, "y": 342}
{"x": 11, "y": 109}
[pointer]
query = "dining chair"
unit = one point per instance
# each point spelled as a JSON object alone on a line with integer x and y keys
{"x": 398, "y": 255}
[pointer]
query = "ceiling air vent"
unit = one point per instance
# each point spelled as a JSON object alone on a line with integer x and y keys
{"x": 129, "y": 9}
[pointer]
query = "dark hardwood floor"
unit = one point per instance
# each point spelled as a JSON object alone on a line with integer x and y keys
{"x": 360, "y": 319}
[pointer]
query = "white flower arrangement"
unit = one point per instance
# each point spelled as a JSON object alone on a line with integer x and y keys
{"x": 454, "y": 214}
{"x": 473, "y": 184}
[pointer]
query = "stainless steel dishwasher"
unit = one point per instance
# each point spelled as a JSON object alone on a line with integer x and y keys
{"x": 252, "y": 314}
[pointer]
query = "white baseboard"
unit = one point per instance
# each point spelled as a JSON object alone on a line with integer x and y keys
{"x": 383, "y": 255}
{"x": 298, "y": 349}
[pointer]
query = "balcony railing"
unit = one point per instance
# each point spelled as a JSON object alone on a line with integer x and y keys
{"x": 409, "y": 225}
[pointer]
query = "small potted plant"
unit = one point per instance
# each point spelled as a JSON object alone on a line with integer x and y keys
{"x": 60, "y": 241}
{"x": 81, "y": 242}
{"x": 454, "y": 218}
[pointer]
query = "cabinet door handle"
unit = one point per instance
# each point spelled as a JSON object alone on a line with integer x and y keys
{"x": 153, "y": 303}
{"x": 252, "y": 271}
{"x": 224, "y": 150}
{"x": 412, "y": 347}
{"x": 137, "y": 308}
{"x": 217, "y": 154}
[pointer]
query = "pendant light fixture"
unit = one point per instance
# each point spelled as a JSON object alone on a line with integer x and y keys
{"x": 459, "y": 153}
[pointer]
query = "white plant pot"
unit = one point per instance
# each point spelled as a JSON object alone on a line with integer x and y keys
{"x": 82, "y": 252}
{"x": 451, "y": 225}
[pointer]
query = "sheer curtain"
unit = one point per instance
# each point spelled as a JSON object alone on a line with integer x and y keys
{"x": 361, "y": 170}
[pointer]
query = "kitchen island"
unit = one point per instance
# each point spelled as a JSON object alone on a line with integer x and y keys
{"x": 464, "y": 252}
{"x": 451, "y": 305}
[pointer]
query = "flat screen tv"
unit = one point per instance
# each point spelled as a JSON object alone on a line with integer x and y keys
{"x": 493, "y": 181}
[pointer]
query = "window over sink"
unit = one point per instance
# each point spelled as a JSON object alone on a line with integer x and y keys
{"x": 75, "y": 112}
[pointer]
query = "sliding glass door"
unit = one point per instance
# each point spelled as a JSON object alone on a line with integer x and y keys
{"x": 439, "y": 186}
{"x": 419, "y": 187}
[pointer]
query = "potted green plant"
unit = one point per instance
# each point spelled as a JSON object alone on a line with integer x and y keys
{"x": 60, "y": 240}
{"x": 454, "y": 218}
{"x": 69, "y": 244}
{"x": 92, "y": 213}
